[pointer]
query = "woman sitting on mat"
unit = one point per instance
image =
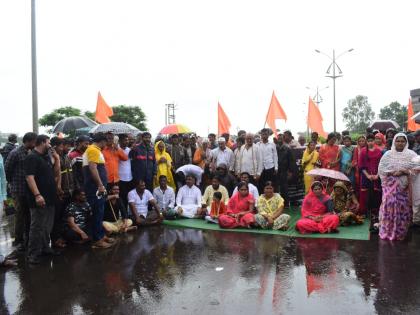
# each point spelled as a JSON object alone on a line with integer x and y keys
{"x": 345, "y": 205}
{"x": 270, "y": 210}
{"x": 317, "y": 216}
{"x": 239, "y": 210}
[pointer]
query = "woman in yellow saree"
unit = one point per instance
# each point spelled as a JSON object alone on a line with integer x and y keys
{"x": 309, "y": 161}
{"x": 164, "y": 165}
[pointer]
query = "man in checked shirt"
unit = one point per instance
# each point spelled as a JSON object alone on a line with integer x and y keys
{"x": 15, "y": 175}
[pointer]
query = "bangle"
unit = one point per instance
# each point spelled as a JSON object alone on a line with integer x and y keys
{"x": 37, "y": 195}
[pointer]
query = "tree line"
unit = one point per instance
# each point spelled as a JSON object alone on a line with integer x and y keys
{"x": 358, "y": 114}
{"x": 132, "y": 115}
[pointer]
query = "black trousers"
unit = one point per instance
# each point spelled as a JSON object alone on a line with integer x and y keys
{"x": 284, "y": 187}
{"x": 125, "y": 188}
{"x": 42, "y": 220}
{"x": 22, "y": 220}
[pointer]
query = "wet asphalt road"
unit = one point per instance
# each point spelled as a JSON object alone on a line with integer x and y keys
{"x": 163, "y": 270}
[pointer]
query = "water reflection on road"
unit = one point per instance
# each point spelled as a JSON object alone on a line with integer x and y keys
{"x": 185, "y": 271}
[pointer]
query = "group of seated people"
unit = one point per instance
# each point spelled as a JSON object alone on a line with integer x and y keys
{"x": 321, "y": 213}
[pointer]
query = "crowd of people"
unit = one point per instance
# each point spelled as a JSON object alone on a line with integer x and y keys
{"x": 93, "y": 188}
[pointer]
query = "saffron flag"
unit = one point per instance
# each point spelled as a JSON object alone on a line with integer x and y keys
{"x": 411, "y": 124}
{"x": 103, "y": 110}
{"x": 275, "y": 111}
{"x": 223, "y": 122}
{"x": 315, "y": 119}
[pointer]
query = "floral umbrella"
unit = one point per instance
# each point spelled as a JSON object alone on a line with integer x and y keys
{"x": 173, "y": 129}
{"x": 325, "y": 172}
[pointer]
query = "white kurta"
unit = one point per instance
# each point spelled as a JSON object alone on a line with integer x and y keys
{"x": 249, "y": 160}
{"x": 193, "y": 170}
{"x": 189, "y": 199}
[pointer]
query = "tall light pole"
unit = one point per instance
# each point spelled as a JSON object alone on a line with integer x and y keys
{"x": 334, "y": 76}
{"x": 34, "y": 75}
{"x": 317, "y": 98}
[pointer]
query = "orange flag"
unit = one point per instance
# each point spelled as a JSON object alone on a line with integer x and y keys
{"x": 275, "y": 111}
{"x": 223, "y": 122}
{"x": 315, "y": 119}
{"x": 103, "y": 110}
{"x": 411, "y": 124}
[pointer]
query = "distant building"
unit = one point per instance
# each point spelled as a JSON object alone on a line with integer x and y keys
{"x": 415, "y": 98}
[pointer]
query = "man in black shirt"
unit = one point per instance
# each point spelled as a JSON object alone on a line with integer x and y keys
{"x": 42, "y": 170}
{"x": 286, "y": 168}
{"x": 77, "y": 223}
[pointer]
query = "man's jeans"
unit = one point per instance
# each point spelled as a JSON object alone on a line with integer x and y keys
{"x": 42, "y": 220}
{"x": 97, "y": 206}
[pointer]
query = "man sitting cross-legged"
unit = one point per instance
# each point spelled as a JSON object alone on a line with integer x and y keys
{"x": 188, "y": 199}
{"x": 165, "y": 198}
{"x": 144, "y": 209}
{"x": 115, "y": 214}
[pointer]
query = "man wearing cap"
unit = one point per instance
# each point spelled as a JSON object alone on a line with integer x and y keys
{"x": 222, "y": 155}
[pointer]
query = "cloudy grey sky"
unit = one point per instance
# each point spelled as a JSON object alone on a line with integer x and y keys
{"x": 196, "y": 53}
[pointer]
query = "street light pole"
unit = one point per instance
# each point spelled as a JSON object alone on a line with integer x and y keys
{"x": 334, "y": 76}
{"x": 34, "y": 73}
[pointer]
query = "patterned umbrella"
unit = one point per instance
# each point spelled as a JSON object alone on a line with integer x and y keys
{"x": 69, "y": 124}
{"x": 117, "y": 128}
{"x": 383, "y": 125}
{"x": 325, "y": 172}
{"x": 173, "y": 129}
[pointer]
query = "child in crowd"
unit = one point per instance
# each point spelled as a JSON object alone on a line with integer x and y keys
{"x": 217, "y": 208}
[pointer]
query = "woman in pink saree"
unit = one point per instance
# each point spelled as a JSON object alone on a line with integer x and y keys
{"x": 395, "y": 214}
{"x": 240, "y": 209}
{"x": 317, "y": 216}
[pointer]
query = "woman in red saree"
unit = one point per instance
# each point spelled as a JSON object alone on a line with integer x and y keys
{"x": 240, "y": 209}
{"x": 361, "y": 143}
{"x": 329, "y": 153}
{"x": 317, "y": 216}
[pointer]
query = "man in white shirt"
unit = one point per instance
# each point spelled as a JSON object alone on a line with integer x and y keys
{"x": 249, "y": 159}
{"x": 165, "y": 198}
{"x": 252, "y": 189}
{"x": 222, "y": 155}
{"x": 188, "y": 199}
{"x": 124, "y": 171}
{"x": 269, "y": 160}
{"x": 140, "y": 201}
{"x": 189, "y": 169}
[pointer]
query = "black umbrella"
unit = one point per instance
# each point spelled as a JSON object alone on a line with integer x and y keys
{"x": 69, "y": 124}
{"x": 383, "y": 125}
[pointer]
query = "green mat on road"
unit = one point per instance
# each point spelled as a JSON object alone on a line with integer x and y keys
{"x": 353, "y": 232}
